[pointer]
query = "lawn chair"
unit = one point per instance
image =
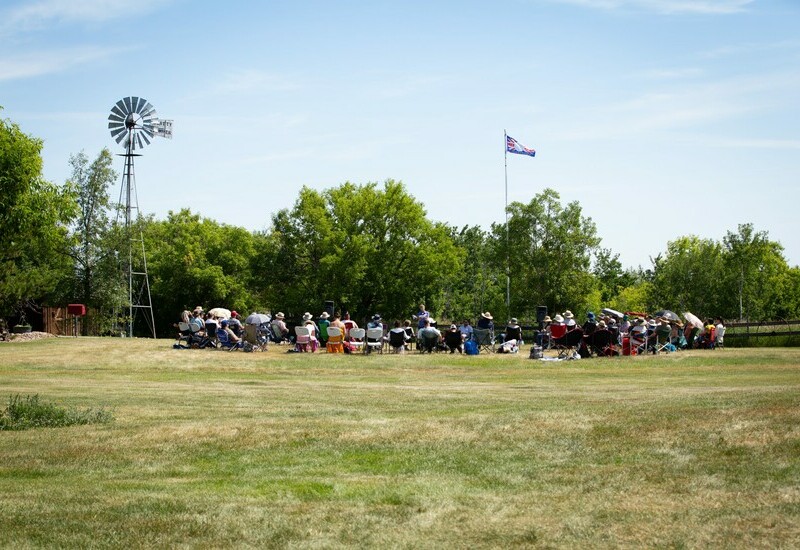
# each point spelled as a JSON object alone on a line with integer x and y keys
{"x": 225, "y": 342}
{"x": 567, "y": 346}
{"x": 335, "y": 339}
{"x": 357, "y": 336}
{"x": 428, "y": 343}
{"x": 254, "y": 339}
{"x": 398, "y": 340}
{"x": 302, "y": 340}
{"x": 662, "y": 336}
{"x": 601, "y": 342}
{"x": 484, "y": 337}
{"x": 374, "y": 340}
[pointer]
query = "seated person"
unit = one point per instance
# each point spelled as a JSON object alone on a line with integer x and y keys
{"x": 558, "y": 327}
{"x": 466, "y": 330}
{"x": 485, "y": 322}
{"x": 398, "y": 337}
{"x": 638, "y": 333}
{"x": 279, "y": 329}
{"x": 235, "y": 324}
{"x": 197, "y": 322}
{"x": 569, "y": 320}
{"x": 409, "y": 332}
{"x": 428, "y": 337}
{"x": 543, "y": 335}
{"x": 349, "y": 324}
{"x": 513, "y": 332}
{"x": 591, "y": 323}
{"x": 226, "y": 336}
{"x": 453, "y": 340}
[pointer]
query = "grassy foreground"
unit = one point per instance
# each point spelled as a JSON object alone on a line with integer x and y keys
{"x": 214, "y": 449}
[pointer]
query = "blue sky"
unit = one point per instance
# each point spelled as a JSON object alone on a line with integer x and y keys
{"x": 662, "y": 118}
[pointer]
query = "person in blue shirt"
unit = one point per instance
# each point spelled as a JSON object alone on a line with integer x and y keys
{"x": 421, "y": 316}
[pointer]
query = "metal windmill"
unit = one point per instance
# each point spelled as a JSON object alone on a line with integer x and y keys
{"x": 133, "y": 124}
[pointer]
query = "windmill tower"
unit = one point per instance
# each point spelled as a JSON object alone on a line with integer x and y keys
{"x": 133, "y": 124}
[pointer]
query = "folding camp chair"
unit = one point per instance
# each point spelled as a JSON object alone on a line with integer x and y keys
{"x": 567, "y": 346}
{"x": 484, "y": 338}
{"x": 662, "y": 336}
{"x": 601, "y": 342}
{"x": 397, "y": 340}
{"x": 254, "y": 339}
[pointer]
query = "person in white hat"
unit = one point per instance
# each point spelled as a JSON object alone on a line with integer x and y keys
{"x": 324, "y": 323}
{"x": 486, "y": 321}
{"x": 513, "y": 332}
{"x": 569, "y": 319}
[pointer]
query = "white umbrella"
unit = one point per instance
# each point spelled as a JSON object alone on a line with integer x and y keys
{"x": 220, "y": 313}
{"x": 614, "y": 312}
{"x": 693, "y": 319}
{"x": 257, "y": 319}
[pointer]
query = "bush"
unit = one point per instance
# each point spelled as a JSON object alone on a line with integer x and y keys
{"x": 27, "y": 412}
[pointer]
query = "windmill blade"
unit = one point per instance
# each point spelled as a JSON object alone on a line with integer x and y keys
{"x": 118, "y": 130}
{"x": 120, "y": 136}
{"x": 136, "y": 104}
{"x": 122, "y": 109}
{"x": 113, "y": 126}
{"x": 147, "y": 109}
{"x": 128, "y": 105}
{"x": 148, "y": 129}
{"x": 115, "y": 117}
{"x": 144, "y": 137}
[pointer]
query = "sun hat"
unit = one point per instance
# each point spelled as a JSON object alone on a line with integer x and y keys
{"x": 453, "y": 327}
{"x": 324, "y": 315}
{"x": 568, "y": 314}
{"x": 601, "y": 324}
{"x": 376, "y": 317}
{"x": 558, "y": 318}
{"x": 307, "y": 316}
{"x": 547, "y": 319}
{"x": 279, "y": 315}
{"x": 652, "y": 323}
{"x": 487, "y": 315}
{"x": 514, "y": 320}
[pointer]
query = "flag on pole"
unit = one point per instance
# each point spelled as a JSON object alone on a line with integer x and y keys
{"x": 513, "y": 146}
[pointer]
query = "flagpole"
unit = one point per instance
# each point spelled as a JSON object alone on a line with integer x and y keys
{"x": 508, "y": 251}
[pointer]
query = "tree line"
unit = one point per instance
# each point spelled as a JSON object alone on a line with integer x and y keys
{"x": 369, "y": 248}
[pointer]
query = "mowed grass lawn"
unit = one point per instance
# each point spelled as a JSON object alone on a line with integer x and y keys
{"x": 213, "y": 449}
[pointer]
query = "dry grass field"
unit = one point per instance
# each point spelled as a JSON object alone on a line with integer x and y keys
{"x": 217, "y": 449}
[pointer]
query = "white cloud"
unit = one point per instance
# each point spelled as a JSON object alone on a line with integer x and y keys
{"x": 710, "y": 7}
{"x": 252, "y": 81}
{"x": 42, "y": 13}
{"x": 688, "y": 106}
{"x": 49, "y": 62}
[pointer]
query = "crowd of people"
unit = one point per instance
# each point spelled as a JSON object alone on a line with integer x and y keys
{"x": 610, "y": 333}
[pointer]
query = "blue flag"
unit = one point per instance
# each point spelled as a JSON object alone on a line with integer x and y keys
{"x": 513, "y": 146}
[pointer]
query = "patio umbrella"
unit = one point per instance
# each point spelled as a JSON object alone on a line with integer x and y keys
{"x": 220, "y": 312}
{"x": 667, "y": 314}
{"x": 257, "y": 319}
{"x": 693, "y": 319}
{"x": 613, "y": 312}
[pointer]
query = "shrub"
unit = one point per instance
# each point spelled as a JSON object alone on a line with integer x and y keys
{"x": 27, "y": 412}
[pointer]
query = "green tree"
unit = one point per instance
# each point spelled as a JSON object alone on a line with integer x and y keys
{"x": 368, "y": 249}
{"x": 97, "y": 282}
{"x": 548, "y": 252}
{"x": 197, "y": 261}
{"x": 611, "y": 277}
{"x": 478, "y": 286}
{"x": 688, "y": 277}
{"x": 757, "y": 276}
{"x": 33, "y": 222}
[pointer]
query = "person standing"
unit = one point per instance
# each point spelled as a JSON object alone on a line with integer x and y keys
{"x": 421, "y": 316}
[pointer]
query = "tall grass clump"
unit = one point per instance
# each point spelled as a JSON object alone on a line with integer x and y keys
{"x": 27, "y": 412}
